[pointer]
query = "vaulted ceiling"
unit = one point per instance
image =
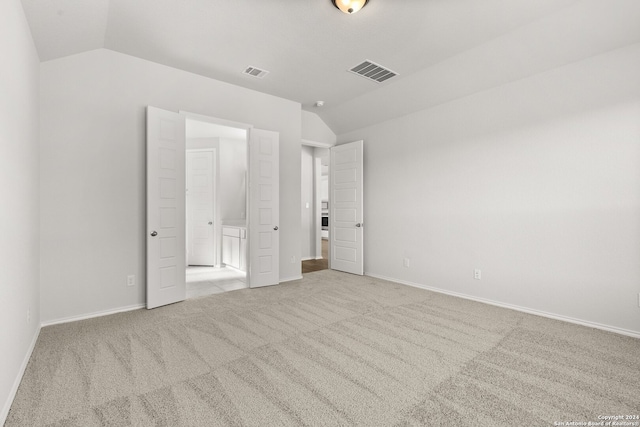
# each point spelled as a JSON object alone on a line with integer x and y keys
{"x": 441, "y": 49}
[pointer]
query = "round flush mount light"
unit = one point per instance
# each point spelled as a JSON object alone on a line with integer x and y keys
{"x": 349, "y": 6}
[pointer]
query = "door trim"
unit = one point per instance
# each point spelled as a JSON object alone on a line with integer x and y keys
{"x": 216, "y": 120}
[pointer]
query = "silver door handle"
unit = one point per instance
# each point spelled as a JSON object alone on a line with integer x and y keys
{"x": 210, "y": 223}
{"x": 275, "y": 228}
{"x": 358, "y": 225}
{"x": 154, "y": 233}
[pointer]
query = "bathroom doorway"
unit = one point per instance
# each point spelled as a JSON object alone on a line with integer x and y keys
{"x": 216, "y": 208}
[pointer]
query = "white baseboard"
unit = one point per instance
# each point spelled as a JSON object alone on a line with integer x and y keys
{"x": 307, "y": 258}
{"x": 568, "y": 319}
{"x": 92, "y": 315}
{"x": 16, "y": 383}
{"x": 290, "y": 279}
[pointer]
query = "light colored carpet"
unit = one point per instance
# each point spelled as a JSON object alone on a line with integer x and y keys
{"x": 331, "y": 349}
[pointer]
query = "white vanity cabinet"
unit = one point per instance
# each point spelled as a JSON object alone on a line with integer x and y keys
{"x": 234, "y": 246}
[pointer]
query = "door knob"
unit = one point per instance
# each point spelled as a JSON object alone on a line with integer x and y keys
{"x": 275, "y": 228}
{"x": 358, "y": 225}
{"x": 154, "y": 233}
{"x": 210, "y": 223}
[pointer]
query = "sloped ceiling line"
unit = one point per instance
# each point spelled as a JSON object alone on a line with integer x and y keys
{"x": 442, "y": 50}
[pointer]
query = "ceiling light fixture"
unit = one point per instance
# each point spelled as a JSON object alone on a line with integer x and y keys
{"x": 349, "y": 6}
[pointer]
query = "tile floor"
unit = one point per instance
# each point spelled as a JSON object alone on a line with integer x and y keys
{"x": 203, "y": 281}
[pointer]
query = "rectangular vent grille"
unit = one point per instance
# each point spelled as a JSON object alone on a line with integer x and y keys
{"x": 373, "y": 71}
{"x": 255, "y": 72}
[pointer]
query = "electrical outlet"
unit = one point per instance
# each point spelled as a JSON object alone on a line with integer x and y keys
{"x": 131, "y": 280}
{"x": 407, "y": 262}
{"x": 293, "y": 259}
{"x": 477, "y": 274}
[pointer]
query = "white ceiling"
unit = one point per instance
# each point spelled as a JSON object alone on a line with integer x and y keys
{"x": 442, "y": 49}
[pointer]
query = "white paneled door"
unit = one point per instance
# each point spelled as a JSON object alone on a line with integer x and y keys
{"x": 264, "y": 211}
{"x": 346, "y": 234}
{"x": 200, "y": 202}
{"x": 165, "y": 207}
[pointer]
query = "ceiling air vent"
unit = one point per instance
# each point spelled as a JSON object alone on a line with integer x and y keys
{"x": 373, "y": 71}
{"x": 255, "y": 72}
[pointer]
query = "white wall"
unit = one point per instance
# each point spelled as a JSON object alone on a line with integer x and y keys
{"x": 19, "y": 214}
{"x": 536, "y": 183}
{"x": 233, "y": 170}
{"x": 93, "y": 171}
{"x": 307, "y": 204}
{"x": 316, "y": 130}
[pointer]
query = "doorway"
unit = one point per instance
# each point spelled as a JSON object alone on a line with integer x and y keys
{"x": 216, "y": 208}
{"x": 338, "y": 188}
{"x": 256, "y": 236}
{"x": 315, "y": 159}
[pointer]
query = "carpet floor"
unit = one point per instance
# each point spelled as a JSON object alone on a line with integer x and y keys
{"x": 331, "y": 349}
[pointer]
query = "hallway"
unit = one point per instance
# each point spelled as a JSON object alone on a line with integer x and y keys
{"x": 318, "y": 264}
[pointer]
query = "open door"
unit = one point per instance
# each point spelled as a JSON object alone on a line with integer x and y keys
{"x": 200, "y": 207}
{"x": 264, "y": 208}
{"x": 346, "y": 234}
{"x": 165, "y": 207}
